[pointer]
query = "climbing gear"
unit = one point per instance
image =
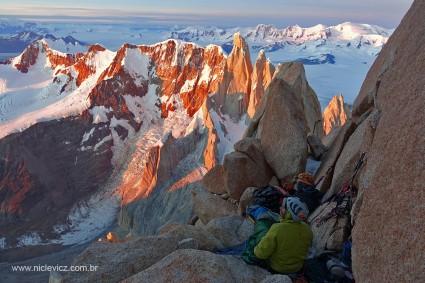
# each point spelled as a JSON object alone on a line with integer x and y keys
{"x": 344, "y": 198}
{"x": 270, "y": 197}
{"x": 306, "y": 178}
{"x": 297, "y": 209}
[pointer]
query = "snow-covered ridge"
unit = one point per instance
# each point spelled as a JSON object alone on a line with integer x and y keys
{"x": 294, "y": 34}
{"x": 63, "y": 89}
{"x": 28, "y": 98}
{"x": 344, "y": 31}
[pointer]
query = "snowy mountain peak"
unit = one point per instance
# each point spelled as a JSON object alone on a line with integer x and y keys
{"x": 261, "y": 53}
{"x": 263, "y": 31}
{"x": 197, "y": 33}
{"x": 293, "y": 34}
{"x": 293, "y": 28}
{"x": 40, "y": 55}
{"x": 95, "y": 48}
{"x": 29, "y": 56}
{"x": 27, "y": 35}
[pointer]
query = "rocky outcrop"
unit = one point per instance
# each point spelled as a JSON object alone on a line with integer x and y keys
{"x": 261, "y": 77}
{"x": 231, "y": 230}
{"x": 330, "y": 138}
{"x": 335, "y": 114}
{"x": 161, "y": 161}
{"x": 214, "y": 180}
{"x": 208, "y": 206}
{"x": 206, "y": 241}
{"x": 200, "y": 266}
{"x": 89, "y": 63}
{"x": 62, "y": 60}
{"x": 29, "y": 56}
{"x": 146, "y": 216}
{"x": 246, "y": 200}
{"x": 317, "y": 149}
{"x": 393, "y": 180}
{"x": 245, "y": 167}
{"x": 115, "y": 82}
{"x": 282, "y": 116}
{"x": 239, "y": 64}
{"x": 118, "y": 261}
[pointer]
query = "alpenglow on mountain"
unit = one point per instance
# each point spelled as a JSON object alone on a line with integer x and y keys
{"x": 113, "y": 127}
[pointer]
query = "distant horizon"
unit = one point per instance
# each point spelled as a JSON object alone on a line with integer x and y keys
{"x": 223, "y": 14}
{"x": 120, "y": 21}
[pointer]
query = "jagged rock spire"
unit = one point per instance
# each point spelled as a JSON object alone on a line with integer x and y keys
{"x": 335, "y": 114}
{"x": 235, "y": 86}
{"x": 261, "y": 77}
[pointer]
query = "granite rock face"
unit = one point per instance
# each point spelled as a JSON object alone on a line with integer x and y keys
{"x": 286, "y": 155}
{"x": 358, "y": 143}
{"x": 393, "y": 181}
{"x": 327, "y": 166}
{"x": 317, "y": 149}
{"x": 214, "y": 180}
{"x": 246, "y": 167}
{"x": 231, "y": 230}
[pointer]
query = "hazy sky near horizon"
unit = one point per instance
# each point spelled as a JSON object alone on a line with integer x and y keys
{"x": 281, "y": 13}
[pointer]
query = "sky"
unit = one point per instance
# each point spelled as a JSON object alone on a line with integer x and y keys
{"x": 221, "y": 13}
